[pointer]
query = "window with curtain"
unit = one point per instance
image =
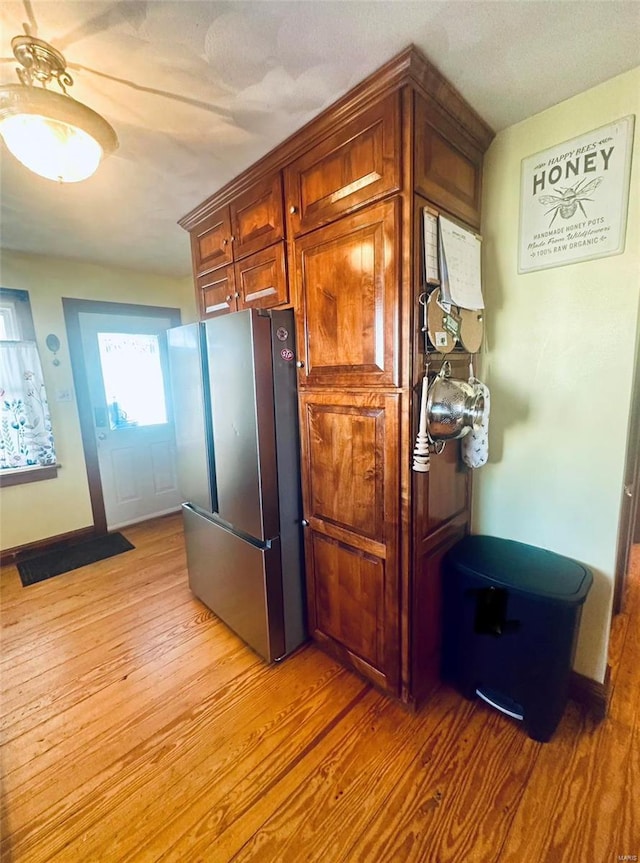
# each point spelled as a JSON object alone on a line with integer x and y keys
{"x": 26, "y": 438}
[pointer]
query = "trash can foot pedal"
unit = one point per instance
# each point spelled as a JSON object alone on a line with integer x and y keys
{"x": 499, "y": 703}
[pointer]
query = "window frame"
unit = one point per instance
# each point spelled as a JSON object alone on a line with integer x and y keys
{"x": 19, "y": 304}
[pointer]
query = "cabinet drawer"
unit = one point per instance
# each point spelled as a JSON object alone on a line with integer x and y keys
{"x": 261, "y": 279}
{"x": 357, "y": 164}
{"x": 347, "y": 284}
{"x": 211, "y": 242}
{"x": 448, "y": 168}
{"x": 257, "y": 218}
{"x": 216, "y": 292}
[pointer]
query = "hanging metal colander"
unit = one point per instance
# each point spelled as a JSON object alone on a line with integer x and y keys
{"x": 454, "y": 406}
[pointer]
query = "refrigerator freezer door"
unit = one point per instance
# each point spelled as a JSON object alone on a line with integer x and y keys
{"x": 193, "y": 442}
{"x": 241, "y": 392}
{"x": 239, "y": 581}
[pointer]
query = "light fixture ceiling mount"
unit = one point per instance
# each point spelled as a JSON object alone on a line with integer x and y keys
{"x": 40, "y": 61}
{"x": 51, "y": 133}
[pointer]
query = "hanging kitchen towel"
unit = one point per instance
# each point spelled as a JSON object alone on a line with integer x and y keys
{"x": 475, "y": 445}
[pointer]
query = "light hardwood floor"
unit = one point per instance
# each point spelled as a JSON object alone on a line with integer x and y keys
{"x": 136, "y": 727}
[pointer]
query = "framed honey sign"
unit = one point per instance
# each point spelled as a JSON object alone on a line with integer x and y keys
{"x": 574, "y": 199}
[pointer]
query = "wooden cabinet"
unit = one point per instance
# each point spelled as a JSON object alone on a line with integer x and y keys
{"x": 216, "y": 292}
{"x": 447, "y": 165}
{"x": 358, "y": 163}
{"x": 355, "y": 180}
{"x": 256, "y": 217}
{"x": 250, "y": 222}
{"x": 211, "y": 242}
{"x": 350, "y": 480}
{"x": 347, "y": 284}
{"x": 259, "y": 281}
{"x": 426, "y": 606}
{"x": 247, "y": 233}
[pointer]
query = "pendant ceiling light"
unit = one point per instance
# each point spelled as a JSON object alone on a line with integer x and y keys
{"x": 50, "y": 133}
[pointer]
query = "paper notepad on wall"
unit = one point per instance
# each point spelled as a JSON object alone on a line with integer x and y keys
{"x": 460, "y": 265}
{"x": 430, "y": 225}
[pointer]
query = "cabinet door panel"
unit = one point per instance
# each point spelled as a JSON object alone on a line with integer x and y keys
{"x": 347, "y": 281}
{"x": 346, "y": 458}
{"x": 216, "y": 293}
{"x": 211, "y": 242}
{"x": 358, "y": 163}
{"x": 349, "y": 598}
{"x": 448, "y": 169}
{"x": 261, "y": 279}
{"x": 350, "y": 470}
{"x": 257, "y": 218}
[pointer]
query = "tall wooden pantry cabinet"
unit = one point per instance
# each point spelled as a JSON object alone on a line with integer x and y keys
{"x": 336, "y": 212}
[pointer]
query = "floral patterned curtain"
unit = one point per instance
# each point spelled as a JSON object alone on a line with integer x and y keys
{"x": 26, "y": 439}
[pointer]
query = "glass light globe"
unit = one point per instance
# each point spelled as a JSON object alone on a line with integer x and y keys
{"x": 51, "y": 148}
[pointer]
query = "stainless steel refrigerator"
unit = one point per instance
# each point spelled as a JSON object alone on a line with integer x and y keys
{"x": 233, "y": 381}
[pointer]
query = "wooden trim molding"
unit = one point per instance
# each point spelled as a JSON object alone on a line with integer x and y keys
{"x": 28, "y": 474}
{"x": 41, "y": 546}
{"x": 592, "y": 694}
{"x": 434, "y": 84}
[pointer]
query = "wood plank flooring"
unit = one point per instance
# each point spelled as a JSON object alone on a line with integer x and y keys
{"x": 135, "y": 726}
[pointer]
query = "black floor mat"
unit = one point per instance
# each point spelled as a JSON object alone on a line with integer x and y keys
{"x": 73, "y": 557}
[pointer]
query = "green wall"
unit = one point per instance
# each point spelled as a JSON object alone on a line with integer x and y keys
{"x": 558, "y": 360}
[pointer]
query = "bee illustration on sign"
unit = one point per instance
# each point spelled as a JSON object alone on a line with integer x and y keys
{"x": 569, "y": 199}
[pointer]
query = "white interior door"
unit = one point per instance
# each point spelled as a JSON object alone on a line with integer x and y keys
{"x": 126, "y": 366}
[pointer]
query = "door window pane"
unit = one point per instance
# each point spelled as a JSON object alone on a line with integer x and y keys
{"x": 133, "y": 382}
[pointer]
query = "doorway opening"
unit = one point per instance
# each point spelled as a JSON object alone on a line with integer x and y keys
{"x": 119, "y": 362}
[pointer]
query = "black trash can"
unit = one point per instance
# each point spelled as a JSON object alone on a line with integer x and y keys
{"x": 511, "y": 617}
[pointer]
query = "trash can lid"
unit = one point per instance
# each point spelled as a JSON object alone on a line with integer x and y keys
{"x": 522, "y": 567}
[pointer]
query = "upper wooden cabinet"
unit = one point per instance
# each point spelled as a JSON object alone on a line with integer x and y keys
{"x": 256, "y": 217}
{"x": 258, "y": 281}
{"x": 249, "y": 223}
{"x": 211, "y": 242}
{"x": 216, "y": 292}
{"x": 347, "y": 285}
{"x": 261, "y": 279}
{"x": 358, "y": 163}
{"x": 447, "y": 165}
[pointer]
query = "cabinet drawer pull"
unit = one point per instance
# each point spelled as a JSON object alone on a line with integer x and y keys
{"x": 225, "y": 242}
{"x": 293, "y": 209}
{"x": 228, "y": 298}
{"x": 304, "y": 522}
{"x": 236, "y": 295}
{"x": 300, "y": 364}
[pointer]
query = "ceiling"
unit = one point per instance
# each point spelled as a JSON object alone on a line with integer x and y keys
{"x": 197, "y": 91}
